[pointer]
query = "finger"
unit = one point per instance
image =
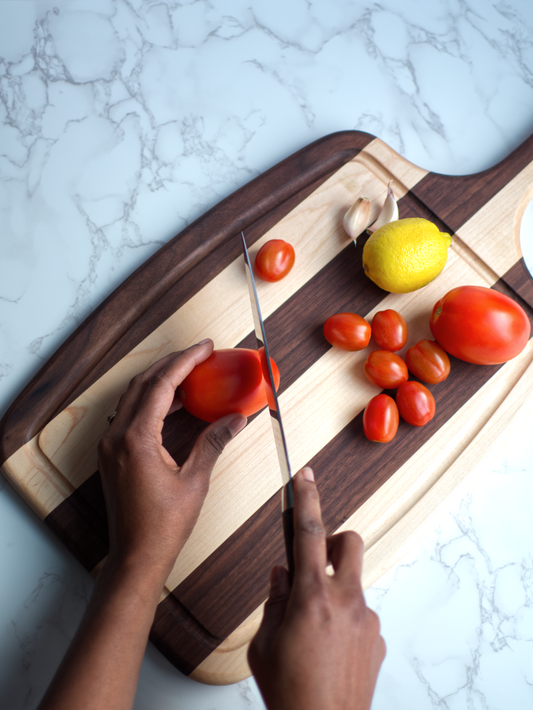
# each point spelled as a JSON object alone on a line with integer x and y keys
{"x": 310, "y": 552}
{"x": 211, "y": 443}
{"x": 131, "y": 398}
{"x": 345, "y": 552}
{"x": 160, "y": 386}
{"x": 274, "y": 611}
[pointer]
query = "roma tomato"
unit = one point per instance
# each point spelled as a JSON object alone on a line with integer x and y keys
{"x": 228, "y": 381}
{"x": 274, "y": 260}
{"x": 480, "y": 325}
{"x": 428, "y": 361}
{"x": 389, "y": 330}
{"x": 347, "y": 331}
{"x": 381, "y": 419}
{"x": 415, "y": 403}
{"x": 385, "y": 369}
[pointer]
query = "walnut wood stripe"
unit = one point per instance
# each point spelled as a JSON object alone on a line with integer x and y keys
{"x": 174, "y": 273}
{"x": 520, "y": 281}
{"x": 457, "y": 198}
{"x": 80, "y": 522}
{"x": 179, "y": 636}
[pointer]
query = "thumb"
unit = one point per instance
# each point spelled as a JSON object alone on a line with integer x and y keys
{"x": 274, "y": 612}
{"x": 212, "y": 441}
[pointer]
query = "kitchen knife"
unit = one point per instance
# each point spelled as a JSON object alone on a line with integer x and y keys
{"x": 287, "y": 497}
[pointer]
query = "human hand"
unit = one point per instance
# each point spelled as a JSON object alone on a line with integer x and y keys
{"x": 319, "y": 646}
{"x": 152, "y": 503}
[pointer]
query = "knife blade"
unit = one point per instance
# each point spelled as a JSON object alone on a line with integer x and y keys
{"x": 287, "y": 497}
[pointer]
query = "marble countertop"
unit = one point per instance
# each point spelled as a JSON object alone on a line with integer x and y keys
{"x": 124, "y": 120}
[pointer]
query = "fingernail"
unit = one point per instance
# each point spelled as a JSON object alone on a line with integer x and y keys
{"x": 308, "y": 474}
{"x": 204, "y": 341}
{"x": 237, "y": 423}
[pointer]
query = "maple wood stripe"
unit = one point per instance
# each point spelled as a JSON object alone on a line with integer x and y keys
{"x": 457, "y": 198}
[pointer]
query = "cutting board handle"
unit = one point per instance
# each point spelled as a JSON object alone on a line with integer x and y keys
{"x": 455, "y": 199}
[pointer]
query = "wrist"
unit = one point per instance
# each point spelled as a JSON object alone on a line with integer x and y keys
{"x": 135, "y": 577}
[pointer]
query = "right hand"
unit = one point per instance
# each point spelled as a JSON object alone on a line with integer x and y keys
{"x": 319, "y": 646}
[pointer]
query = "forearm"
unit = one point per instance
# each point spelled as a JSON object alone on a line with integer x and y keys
{"x": 101, "y": 668}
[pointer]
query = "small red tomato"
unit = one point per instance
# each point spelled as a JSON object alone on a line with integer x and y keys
{"x": 274, "y": 260}
{"x": 347, "y": 331}
{"x": 415, "y": 403}
{"x": 381, "y": 419}
{"x": 389, "y": 330}
{"x": 428, "y": 361}
{"x": 385, "y": 369}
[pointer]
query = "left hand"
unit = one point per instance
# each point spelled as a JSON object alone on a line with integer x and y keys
{"x": 152, "y": 503}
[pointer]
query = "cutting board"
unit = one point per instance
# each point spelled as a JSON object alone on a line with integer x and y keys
{"x": 195, "y": 287}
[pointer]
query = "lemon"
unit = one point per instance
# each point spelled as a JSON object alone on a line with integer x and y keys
{"x": 405, "y": 255}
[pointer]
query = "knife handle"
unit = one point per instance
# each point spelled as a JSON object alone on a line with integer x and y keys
{"x": 288, "y": 531}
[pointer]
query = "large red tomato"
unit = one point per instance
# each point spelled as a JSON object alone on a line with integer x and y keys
{"x": 347, "y": 331}
{"x": 480, "y": 325}
{"x": 274, "y": 260}
{"x": 228, "y": 381}
{"x": 385, "y": 369}
{"x": 389, "y": 330}
{"x": 381, "y": 419}
{"x": 415, "y": 403}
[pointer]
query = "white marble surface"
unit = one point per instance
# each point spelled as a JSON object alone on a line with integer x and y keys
{"x": 121, "y": 121}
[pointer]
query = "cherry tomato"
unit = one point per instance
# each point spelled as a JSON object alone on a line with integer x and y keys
{"x": 480, "y": 325}
{"x": 274, "y": 260}
{"x": 381, "y": 419}
{"x": 385, "y": 369}
{"x": 228, "y": 381}
{"x": 415, "y": 403}
{"x": 347, "y": 331}
{"x": 428, "y": 361}
{"x": 389, "y": 330}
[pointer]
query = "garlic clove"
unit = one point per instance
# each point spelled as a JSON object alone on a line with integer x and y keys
{"x": 357, "y": 218}
{"x": 389, "y": 211}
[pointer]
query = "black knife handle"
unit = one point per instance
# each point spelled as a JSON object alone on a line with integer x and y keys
{"x": 288, "y": 531}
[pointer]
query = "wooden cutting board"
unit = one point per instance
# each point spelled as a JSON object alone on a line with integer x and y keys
{"x": 195, "y": 287}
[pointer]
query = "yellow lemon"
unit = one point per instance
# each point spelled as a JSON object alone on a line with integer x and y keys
{"x": 405, "y": 255}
